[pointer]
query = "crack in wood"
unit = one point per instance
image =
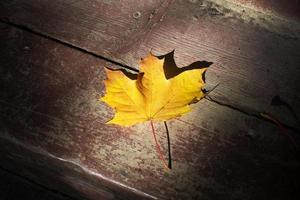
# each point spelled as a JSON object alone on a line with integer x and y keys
{"x": 83, "y": 50}
{"x": 251, "y": 114}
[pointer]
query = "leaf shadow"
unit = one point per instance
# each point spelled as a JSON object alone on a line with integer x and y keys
{"x": 131, "y": 75}
{"x": 171, "y": 69}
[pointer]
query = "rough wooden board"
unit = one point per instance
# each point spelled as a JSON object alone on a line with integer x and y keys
{"x": 108, "y": 27}
{"x": 287, "y": 8}
{"x": 251, "y": 64}
{"x": 64, "y": 175}
{"x": 45, "y": 87}
{"x": 263, "y": 13}
{"x": 49, "y": 112}
{"x": 14, "y": 187}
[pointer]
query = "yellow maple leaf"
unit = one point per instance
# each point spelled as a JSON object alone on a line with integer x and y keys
{"x": 151, "y": 95}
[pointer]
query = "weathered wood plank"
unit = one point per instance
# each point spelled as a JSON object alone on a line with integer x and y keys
{"x": 45, "y": 87}
{"x": 287, "y": 8}
{"x": 251, "y": 64}
{"x": 107, "y": 27}
{"x": 15, "y": 187}
{"x": 52, "y": 123}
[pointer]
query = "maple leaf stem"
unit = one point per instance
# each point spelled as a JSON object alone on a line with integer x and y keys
{"x": 158, "y": 149}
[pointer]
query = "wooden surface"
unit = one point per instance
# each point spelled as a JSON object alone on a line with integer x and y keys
{"x": 15, "y": 187}
{"x": 287, "y": 8}
{"x": 252, "y": 64}
{"x": 52, "y": 124}
{"x": 110, "y": 28}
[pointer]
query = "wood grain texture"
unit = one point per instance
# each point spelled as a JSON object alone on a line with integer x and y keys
{"x": 52, "y": 129}
{"x": 45, "y": 89}
{"x": 252, "y": 64}
{"x": 14, "y": 187}
{"x": 106, "y": 27}
{"x": 287, "y": 8}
